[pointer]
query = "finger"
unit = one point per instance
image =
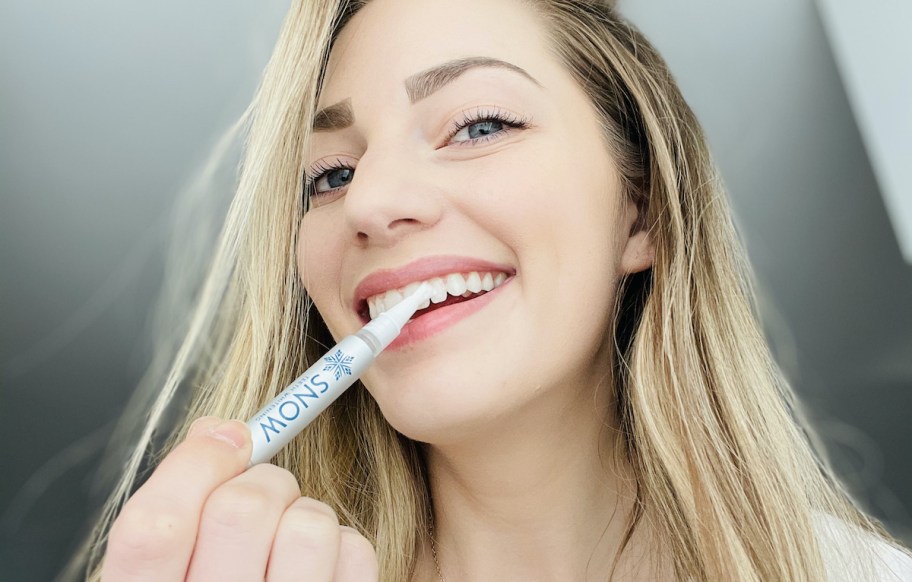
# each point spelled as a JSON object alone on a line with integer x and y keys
{"x": 154, "y": 535}
{"x": 239, "y": 522}
{"x": 357, "y": 559}
{"x": 203, "y": 423}
{"x": 306, "y": 545}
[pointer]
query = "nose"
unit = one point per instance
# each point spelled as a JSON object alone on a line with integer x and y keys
{"x": 390, "y": 197}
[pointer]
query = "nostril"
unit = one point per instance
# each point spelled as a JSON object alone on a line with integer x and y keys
{"x": 394, "y": 230}
{"x": 403, "y": 222}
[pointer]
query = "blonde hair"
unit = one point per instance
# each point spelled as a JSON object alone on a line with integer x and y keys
{"x": 725, "y": 475}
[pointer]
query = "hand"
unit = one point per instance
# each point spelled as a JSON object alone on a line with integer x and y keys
{"x": 202, "y": 517}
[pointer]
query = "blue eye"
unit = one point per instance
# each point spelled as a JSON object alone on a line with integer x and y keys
{"x": 481, "y": 129}
{"x": 327, "y": 181}
{"x": 335, "y": 178}
{"x": 482, "y": 126}
{"x": 477, "y": 127}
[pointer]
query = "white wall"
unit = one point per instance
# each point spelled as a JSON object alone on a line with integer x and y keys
{"x": 835, "y": 289}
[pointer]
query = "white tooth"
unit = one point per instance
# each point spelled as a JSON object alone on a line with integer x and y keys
{"x": 440, "y": 290}
{"x": 378, "y": 302}
{"x": 426, "y": 304}
{"x": 487, "y": 282}
{"x": 499, "y": 278}
{"x": 392, "y": 299}
{"x": 473, "y": 282}
{"x": 455, "y": 284}
{"x": 410, "y": 288}
{"x": 372, "y": 307}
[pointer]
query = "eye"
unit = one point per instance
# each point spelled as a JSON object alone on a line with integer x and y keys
{"x": 329, "y": 180}
{"x": 484, "y": 125}
{"x": 327, "y": 183}
{"x": 333, "y": 178}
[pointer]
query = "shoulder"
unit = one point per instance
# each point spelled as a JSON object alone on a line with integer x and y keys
{"x": 896, "y": 565}
{"x": 851, "y": 554}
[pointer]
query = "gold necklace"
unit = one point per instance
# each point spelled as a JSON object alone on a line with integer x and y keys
{"x": 434, "y": 552}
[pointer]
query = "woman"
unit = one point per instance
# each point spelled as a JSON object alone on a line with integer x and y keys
{"x": 592, "y": 400}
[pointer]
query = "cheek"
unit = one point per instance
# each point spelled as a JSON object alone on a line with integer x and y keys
{"x": 555, "y": 196}
{"x": 318, "y": 260}
{"x": 511, "y": 195}
{"x": 557, "y": 208}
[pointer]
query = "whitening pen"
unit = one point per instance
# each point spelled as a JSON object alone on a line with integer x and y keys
{"x": 278, "y": 422}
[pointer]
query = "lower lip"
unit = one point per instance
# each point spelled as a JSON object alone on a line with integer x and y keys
{"x": 438, "y": 320}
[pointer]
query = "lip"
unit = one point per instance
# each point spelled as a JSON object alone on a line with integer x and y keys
{"x": 383, "y": 280}
{"x": 440, "y": 319}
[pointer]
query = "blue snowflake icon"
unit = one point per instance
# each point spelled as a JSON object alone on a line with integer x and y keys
{"x": 338, "y": 363}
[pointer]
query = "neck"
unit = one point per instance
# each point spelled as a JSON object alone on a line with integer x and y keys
{"x": 545, "y": 496}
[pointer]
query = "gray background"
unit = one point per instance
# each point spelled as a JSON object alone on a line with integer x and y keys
{"x": 108, "y": 107}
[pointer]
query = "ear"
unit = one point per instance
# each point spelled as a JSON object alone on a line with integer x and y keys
{"x": 639, "y": 250}
{"x": 639, "y": 253}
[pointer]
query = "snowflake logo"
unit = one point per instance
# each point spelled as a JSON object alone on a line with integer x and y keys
{"x": 338, "y": 363}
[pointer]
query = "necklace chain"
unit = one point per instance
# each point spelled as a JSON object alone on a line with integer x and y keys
{"x": 434, "y": 552}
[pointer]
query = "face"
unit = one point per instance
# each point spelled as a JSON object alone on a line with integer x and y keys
{"x": 496, "y": 165}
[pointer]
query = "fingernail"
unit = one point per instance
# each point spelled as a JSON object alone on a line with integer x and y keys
{"x": 232, "y": 432}
{"x": 200, "y": 423}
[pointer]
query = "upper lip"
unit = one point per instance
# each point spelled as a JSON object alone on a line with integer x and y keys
{"x": 383, "y": 280}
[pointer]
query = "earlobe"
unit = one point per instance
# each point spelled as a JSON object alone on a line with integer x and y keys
{"x": 639, "y": 253}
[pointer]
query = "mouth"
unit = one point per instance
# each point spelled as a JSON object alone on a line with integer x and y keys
{"x": 449, "y": 289}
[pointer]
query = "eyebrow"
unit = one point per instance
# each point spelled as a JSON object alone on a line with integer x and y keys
{"x": 417, "y": 87}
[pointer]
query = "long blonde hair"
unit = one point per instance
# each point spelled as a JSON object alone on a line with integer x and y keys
{"x": 724, "y": 471}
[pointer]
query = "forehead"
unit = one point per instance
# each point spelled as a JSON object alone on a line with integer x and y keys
{"x": 390, "y": 40}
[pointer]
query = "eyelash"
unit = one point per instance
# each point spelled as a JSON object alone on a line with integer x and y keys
{"x": 481, "y": 115}
{"x": 469, "y": 118}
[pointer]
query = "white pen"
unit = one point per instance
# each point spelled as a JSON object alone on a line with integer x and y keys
{"x": 278, "y": 422}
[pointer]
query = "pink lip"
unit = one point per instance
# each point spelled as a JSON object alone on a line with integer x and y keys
{"x": 436, "y": 321}
{"x": 421, "y": 270}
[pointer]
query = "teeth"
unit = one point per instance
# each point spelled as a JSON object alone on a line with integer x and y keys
{"x": 372, "y": 307}
{"x": 440, "y": 292}
{"x": 487, "y": 282}
{"x": 455, "y": 284}
{"x": 392, "y": 298}
{"x": 473, "y": 282}
{"x": 378, "y": 304}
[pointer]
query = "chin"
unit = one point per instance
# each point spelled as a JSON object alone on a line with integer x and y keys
{"x": 441, "y": 415}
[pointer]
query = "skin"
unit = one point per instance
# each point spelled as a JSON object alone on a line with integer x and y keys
{"x": 200, "y": 516}
{"x": 511, "y": 400}
{"x": 502, "y": 396}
